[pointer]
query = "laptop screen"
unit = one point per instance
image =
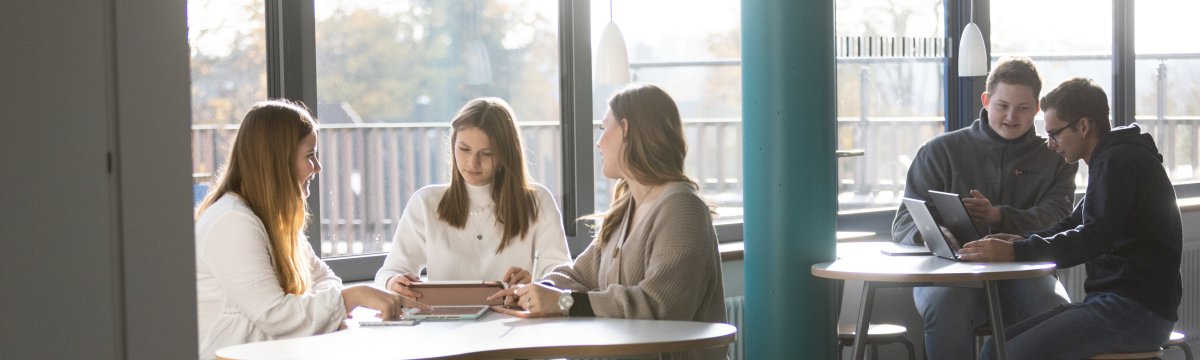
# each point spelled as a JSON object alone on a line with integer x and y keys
{"x": 929, "y": 229}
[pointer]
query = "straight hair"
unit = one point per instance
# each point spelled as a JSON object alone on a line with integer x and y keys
{"x": 261, "y": 169}
{"x": 655, "y": 148}
{"x": 512, "y": 191}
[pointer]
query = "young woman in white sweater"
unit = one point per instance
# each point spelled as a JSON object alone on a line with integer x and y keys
{"x": 257, "y": 278}
{"x": 489, "y": 223}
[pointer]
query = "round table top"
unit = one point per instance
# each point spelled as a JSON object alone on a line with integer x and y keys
{"x": 496, "y": 336}
{"x": 865, "y": 262}
{"x": 874, "y": 266}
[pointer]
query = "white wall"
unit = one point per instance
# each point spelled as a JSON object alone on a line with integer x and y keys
{"x": 96, "y": 264}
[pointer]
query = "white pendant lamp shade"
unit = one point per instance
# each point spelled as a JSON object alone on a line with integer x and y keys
{"x": 972, "y": 54}
{"x": 612, "y": 60}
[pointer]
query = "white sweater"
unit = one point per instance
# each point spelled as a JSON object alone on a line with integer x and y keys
{"x": 423, "y": 240}
{"x": 238, "y": 299}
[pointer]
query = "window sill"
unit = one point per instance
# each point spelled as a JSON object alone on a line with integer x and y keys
{"x": 735, "y": 250}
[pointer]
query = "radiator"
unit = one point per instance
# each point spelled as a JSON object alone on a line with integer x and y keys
{"x": 735, "y": 310}
{"x": 1189, "y": 309}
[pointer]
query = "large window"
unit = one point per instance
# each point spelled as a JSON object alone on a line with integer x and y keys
{"x": 1168, "y": 83}
{"x": 890, "y": 94}
{"x": 390, "y": 77}
{"x": 1063, "y": 47}
{"x": 694, "y": 54}
{"x": 229, "y": 73}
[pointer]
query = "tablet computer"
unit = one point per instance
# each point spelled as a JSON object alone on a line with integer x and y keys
{"x": 954, "y": 216}
{"x": 458, "y": 293}
{"x": 446, "y": 312}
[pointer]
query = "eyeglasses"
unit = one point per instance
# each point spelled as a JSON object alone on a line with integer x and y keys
{"x": 1053, "y": 135}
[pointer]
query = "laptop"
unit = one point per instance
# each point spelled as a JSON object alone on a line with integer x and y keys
{"x": 954, "y": 216}
{"x": 934, "y": 240}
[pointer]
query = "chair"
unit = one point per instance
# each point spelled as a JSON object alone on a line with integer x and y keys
{"x": 877, "y": 334}
{"x": 981, "y": 332}
{"x": 1138, "y": 355}
{"x": 1177, "y": 339}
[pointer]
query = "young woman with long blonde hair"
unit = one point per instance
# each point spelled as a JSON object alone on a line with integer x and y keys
{"x": 489, "y": 223}
{"x": 257, "y": 277}
{"x": 655, "y": 256}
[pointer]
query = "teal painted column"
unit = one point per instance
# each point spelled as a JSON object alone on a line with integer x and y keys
{"x": 789, "y": 119}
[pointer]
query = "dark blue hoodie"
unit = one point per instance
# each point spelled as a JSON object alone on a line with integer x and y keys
{"x": 1127, "y": 227}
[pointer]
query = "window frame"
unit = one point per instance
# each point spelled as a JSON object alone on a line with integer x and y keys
{"x": 291, "y": 74}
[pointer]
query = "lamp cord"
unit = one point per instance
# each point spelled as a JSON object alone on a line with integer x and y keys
{"x": 972, "y": 11}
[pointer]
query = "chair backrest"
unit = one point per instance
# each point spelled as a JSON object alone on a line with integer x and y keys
{"x": 1139, "y": 355}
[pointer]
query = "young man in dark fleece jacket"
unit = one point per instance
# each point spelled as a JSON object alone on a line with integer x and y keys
{"x": 1011, "y": 183}
{"x": 1126, "y": 229}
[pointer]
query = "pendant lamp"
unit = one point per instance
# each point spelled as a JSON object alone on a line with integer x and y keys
{"x": 972, "y": 53}
{"x": 612, "y": 60}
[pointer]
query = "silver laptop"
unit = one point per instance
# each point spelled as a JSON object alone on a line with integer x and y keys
{"x": 954, "y": 216}
{"x": 930, "y": 232}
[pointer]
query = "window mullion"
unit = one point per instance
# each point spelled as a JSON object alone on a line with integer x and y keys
{"x": 576, "y": 91}
{"x": 1124, "y": 80}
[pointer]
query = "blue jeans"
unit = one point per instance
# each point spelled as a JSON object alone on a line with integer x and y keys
{"x": 1102, "y": 323}
{"x": 951, "y": 314}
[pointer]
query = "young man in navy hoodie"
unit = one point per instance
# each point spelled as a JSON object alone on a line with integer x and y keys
{"x": 1126, "y": 230}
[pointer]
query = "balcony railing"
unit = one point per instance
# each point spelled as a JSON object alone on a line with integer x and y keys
{"x": 371, "y": 170}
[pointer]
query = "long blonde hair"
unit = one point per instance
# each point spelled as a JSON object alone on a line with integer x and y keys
{"x": 512, "y": 191}
{"x": 261, "y": 169}
{"x": 655, "y": 148}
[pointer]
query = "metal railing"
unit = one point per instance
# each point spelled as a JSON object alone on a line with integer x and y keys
{"x": 371, "y": 170}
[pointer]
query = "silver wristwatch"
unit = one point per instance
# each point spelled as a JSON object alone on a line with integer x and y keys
{"x": 564, "y": 302}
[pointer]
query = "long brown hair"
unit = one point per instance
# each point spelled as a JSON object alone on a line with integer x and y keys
{"x": 655, "y": 147}
{"x": 515, "y": 198}
{"x": 261, "y": 169}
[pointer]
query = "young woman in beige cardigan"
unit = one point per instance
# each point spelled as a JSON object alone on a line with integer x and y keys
{"x": 655, "y": 256}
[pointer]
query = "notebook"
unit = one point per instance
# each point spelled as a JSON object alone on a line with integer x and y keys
{"x": 930, "y": 231}
{"x": 954, "y": 216}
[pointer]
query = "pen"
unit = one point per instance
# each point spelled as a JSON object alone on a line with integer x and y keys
{"x": 533, "y": 271}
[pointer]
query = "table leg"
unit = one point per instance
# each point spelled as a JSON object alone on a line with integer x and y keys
{"x": 997, "y": 319}
{"x": 864, "y": 321}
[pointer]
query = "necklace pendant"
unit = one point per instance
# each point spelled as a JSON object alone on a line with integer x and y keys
{"x": 479, "y": 237}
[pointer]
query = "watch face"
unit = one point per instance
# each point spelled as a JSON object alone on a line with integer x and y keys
{"x": 564, "y": 302}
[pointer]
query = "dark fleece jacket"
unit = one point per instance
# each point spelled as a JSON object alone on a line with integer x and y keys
{"x": 1127, "y": 227}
